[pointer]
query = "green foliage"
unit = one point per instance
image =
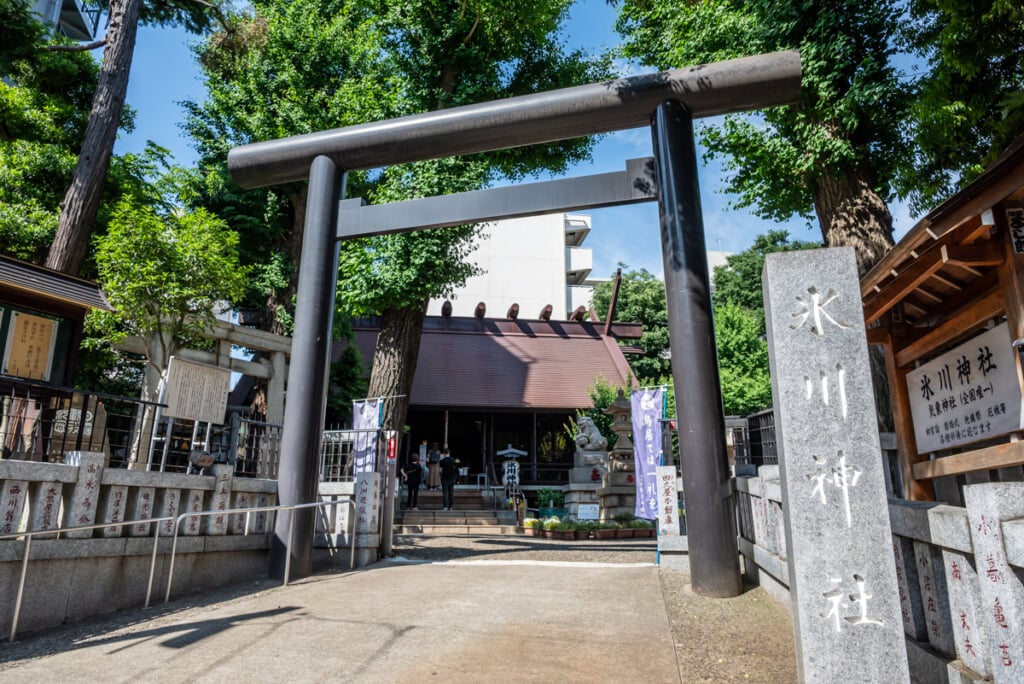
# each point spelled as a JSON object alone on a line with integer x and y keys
{"x": 548, "y": 497}
{"x": 853, "y": 105}
{"x": 742, "y": 360}
{"x": 165, "y": 274}
{"x": 641, "y": 300}
{"x": 624, "y": 518}
{"x": 44, "y": 101}
{"x": 739, "y": 281}
{"x": 603, "y": 394}
{"x": 970, "y": 103}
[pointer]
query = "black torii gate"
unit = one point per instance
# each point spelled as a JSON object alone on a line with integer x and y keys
{"x": 667, "y": 101}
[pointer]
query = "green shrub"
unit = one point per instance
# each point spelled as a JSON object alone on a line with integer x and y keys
{"x": 550, "y": 498}
{"x": 624, "y": 518}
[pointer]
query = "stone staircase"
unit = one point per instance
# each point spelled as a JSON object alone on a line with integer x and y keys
{"x": 473, "y": 514}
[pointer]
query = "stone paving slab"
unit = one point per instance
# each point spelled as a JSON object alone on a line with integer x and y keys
{"x": 460, "y": 621}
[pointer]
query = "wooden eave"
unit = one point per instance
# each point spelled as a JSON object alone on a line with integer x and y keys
{"x": 948, "y": 251}
{"x": 954, "y": 271}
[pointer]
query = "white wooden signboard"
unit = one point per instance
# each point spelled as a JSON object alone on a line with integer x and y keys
{"x": 668, "y": 501}
{"x": 968, "y": 394}
{"x": 196, "y": 391}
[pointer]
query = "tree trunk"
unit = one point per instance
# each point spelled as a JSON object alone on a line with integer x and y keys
{"x": 394, "y": 361}
{"x": 291, "y": 246}
{"x": 852, "y": 214}
{"x": 82, "y": 200}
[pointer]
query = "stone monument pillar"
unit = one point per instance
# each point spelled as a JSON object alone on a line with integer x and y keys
{"x": 846, "y": 607}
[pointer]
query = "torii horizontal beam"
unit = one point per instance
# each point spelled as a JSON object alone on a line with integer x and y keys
{"x": 732, "y": 86}
{"x": 635, "y": 184}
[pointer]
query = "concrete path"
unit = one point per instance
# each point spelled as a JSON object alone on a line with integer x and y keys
{"x": 460, "y": 621}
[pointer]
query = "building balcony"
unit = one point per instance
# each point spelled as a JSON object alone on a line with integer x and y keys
{"x": 578, "y": 263}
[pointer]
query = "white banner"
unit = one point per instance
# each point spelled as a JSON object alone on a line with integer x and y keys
{"x": 968, "y": 394}
{"x": 668, "y": 501}
{"x": 366, "y": 424}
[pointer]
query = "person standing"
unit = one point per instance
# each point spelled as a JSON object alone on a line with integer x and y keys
{"x": 449, "y": 467}
{"x": 412, "y": 475}
{"x": 434, "y": 467}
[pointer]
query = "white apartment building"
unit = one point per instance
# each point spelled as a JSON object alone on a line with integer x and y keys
{"x": 533, "y": 262}
{"x": 76, "y": 19}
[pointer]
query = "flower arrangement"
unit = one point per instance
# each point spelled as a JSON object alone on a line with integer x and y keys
{"x": 531, "y": 523}
{"x": 551, "y": 523}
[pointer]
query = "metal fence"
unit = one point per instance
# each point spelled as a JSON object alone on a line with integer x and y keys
{"x": 42, "y": 423}
{"x": 755, "y": 444}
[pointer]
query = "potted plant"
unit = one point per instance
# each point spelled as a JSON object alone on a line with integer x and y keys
{"x": 606, "y": 530}
{"x": 624, "y": 518}
{"x": 584, "y": 529}
{"x": 550, "y": 525}
{"x": 531, "y": 527}
{"x": 642, "y": 528}
{"x": 565, "y": 529}
{"x": 551, "y": 502}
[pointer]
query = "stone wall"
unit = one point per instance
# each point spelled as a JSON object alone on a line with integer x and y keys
{"x": 89, "y": 571}
{"x": 959, "y": 573}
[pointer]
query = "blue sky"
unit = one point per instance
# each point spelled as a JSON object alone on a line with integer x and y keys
{"x": 164, "y": 74}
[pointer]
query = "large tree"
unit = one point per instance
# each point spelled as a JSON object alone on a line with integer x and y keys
{"x": 970, "y": 96}
{"x": 295, "y": 67}
{"x": 834, "y": 153}
{"x": 83, "y": 195}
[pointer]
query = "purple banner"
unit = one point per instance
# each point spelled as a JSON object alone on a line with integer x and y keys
{"x": 646, "y": 405}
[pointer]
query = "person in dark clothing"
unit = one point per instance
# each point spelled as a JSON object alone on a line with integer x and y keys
{"x": 449, "y": 474}
{"x": 412, "y": 475}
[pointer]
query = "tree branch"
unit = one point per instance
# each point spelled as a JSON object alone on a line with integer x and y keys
{"x": 465, "y": 41}
{"x": 217, "y": 14}
{"x": 76, "y": 48}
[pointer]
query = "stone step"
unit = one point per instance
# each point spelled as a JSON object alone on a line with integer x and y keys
{"x": 457, "y": 529}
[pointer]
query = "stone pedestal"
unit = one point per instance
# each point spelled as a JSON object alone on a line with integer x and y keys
{"x": 580, "y": 494}
{"x": 616, "y": 499}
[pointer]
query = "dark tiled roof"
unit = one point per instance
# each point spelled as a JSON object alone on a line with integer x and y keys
{"x": 488, "y": 363}
{"x": 50, "y": 284}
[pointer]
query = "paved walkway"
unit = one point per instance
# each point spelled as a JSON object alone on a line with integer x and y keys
{"x": 463, "y": 621}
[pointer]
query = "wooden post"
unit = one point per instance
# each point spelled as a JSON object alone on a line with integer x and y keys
{"x": 906, "y": 445}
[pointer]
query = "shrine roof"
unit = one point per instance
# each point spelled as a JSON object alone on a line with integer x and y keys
{"x": 51, "y": 285}
{"x": 950, "y": 258}
{"x": 505, "y": 364}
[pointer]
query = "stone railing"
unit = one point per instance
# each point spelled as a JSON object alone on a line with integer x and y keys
{"x": 959, "y": 572}
{"x": 44, "y": 496}
{"x": 91, "y": 571}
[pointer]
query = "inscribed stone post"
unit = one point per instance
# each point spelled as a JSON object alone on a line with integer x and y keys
{"x": 168, "y": 505}
{"x": 191, "y": 525}
{"x": 911, "y": 608}
{"x": 969, "y": 628}
{"x": 12, "y": 504}
{"x": 934, "y": 597}
{"x": 241, "y": 500}
{"x": 112, "y": 509}
{"x": 142, "y": 509}
{"x": 85, "y": 495}
{"x": 46, "y": 506}
{"x": 846, "y": 614}
{"x": 218, "y": 524}
{"x": 1002, "y": 592}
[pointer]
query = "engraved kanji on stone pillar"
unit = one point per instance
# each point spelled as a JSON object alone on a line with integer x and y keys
{"x": 846, "y": 614}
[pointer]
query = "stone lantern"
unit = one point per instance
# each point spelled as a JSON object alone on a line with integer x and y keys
{"x": 618, "y": 495}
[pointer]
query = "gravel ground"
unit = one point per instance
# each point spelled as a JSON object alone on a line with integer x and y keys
{"x": 743, "y": 639}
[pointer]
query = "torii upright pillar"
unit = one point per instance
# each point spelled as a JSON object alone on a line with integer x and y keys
{"x": 710, "y": 519}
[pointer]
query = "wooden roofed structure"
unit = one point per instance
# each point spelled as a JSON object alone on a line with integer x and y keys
{"x": 958, "y": 271}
